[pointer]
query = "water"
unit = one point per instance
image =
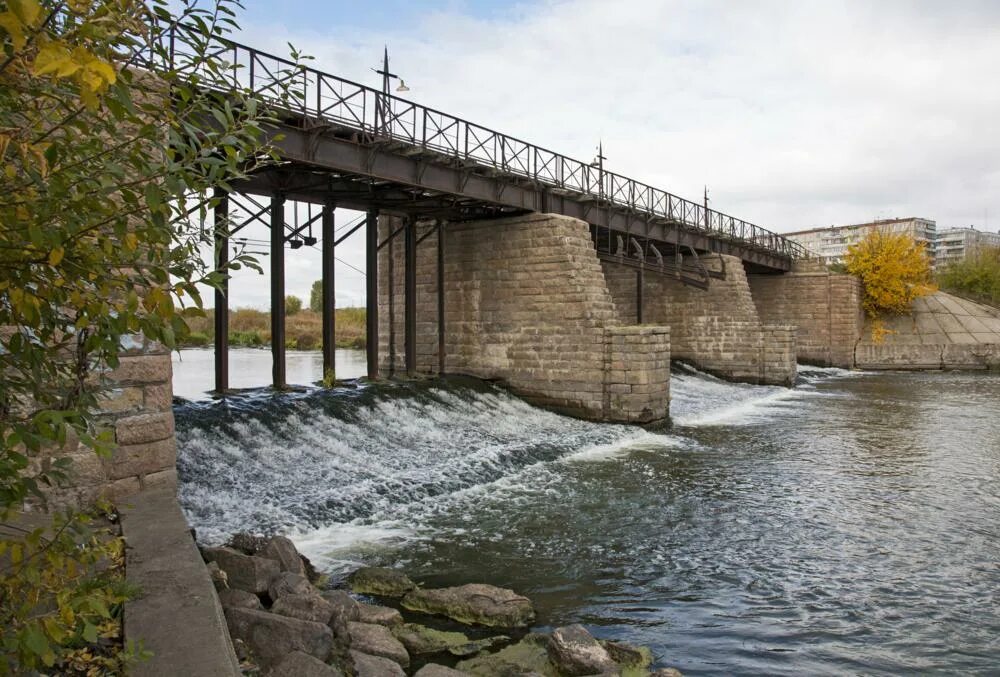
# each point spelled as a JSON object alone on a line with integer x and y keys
{"x": 850, "y": 525}
{"x": 194, "y": 368}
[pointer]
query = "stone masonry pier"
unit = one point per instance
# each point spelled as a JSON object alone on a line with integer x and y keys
{"x": 717, "y": 329}
{"x": 525, "y": 302}
{"x": 825, "y": 308}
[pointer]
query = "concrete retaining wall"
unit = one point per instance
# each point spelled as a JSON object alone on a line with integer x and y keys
{"x": 526, "y": 303}
{"x": 824, "y": 307}
{"x": 717, "y": 329}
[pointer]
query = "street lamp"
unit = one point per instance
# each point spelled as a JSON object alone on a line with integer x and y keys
{"x": 598, "y": 164}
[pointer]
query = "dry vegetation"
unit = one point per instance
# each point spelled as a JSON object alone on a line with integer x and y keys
{"x": 303, "y": 330}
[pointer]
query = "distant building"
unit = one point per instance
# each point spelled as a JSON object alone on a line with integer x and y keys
{"x": 831, "y": 243}
{"x": 954, "y": 244}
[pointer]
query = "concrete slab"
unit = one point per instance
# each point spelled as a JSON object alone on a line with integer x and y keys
{"x": 951, "y": 304}
{"x": 972, "y": 324}
{"x": 178, "y": 617}
{"x": 949, "y": 323}
{"x": 934, "y": 339}
{"x": 961, "y": 337}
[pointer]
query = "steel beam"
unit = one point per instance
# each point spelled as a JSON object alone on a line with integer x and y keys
{"x": 329, "y": 289}
{"x": 410, "y": 298}
{"x": 371, "y": 287}
{"x": 343, "y": 156}
{"x": 278, "y": 292}
{"x": 221, "y": 229}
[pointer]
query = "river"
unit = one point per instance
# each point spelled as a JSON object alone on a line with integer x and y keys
{"x": 849, "y": 525}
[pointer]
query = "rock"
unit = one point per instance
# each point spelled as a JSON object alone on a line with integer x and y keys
{"x": 310, "y": 607}
{"x": 628, "y": 656}
{"x": 419, "y": 639}
{"x": 379, "y": 615}
{"x": 246, "y": 543}
{"x": 376, "y": 640}
{"x": 240, "y": 599}
{"x": 241, "y": 650}
{"x": 271, "y": 636}
{"x": 283, "y": 551}
{"x": 477, "y": 645}
{"x": 574, "y": 652}
{"x": 298, "y": 664}
{"x": 244, "y": 572}
{"x": 527, "y": 657}
{"x": 666, "y": 672}
{"x": 381, "y": 581}
{"x": 344, "y": 606}
{"x": 375, "y": 666}
{"x": 219, "y": 577}
{"x": 435, "y": 670}
{"x": 474, "y": 603}
{"x": 286, "y": 583}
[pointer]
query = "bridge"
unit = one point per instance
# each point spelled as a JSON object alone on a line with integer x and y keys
{"x": 574, "y": 284}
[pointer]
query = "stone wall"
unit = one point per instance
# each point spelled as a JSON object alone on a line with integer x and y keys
{"x": 136, "y": 404}
{"x": 716, "y": 329}
{"x": 825, "y": 308}
{"x": 526, "y": 302}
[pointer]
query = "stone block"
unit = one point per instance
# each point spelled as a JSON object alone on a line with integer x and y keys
{"x": 142, "y": 459}
{"x": 252, "y": 574}
{"x": 271, "y": 637}
{"x": 142, "y": 369}
{"x": 144, "y": 428}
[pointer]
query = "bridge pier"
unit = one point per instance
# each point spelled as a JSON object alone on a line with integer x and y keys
{"x": 523, "y": 300}
{"x": 717, "y": 329}
{"x": 371, "y": 288}
{"x": 329, "y": 290}
{"x": 278, "y": 380}
{"x": 824, "y": 307}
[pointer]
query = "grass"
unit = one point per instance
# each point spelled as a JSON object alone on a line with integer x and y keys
{"x": 303, "y": 330}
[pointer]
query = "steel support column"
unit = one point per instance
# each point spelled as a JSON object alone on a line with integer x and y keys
{"x": 640, "y": 279}
{"x": 329, "y": 290}
{"x": 410, "y": 297}
{"x": 221, "y": 230}
{"x": 440, "y": 298}
{"x": 391, "y": 274}
{"x": 278, "y": 291}
{"x": 371, "y": 287}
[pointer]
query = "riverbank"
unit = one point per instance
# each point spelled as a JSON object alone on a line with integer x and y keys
{"x": 282, "y": 619}
{"x": 251, "y": 328}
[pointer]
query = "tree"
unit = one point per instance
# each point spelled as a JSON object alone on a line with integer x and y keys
{"x": 977, "y": 274}
{"x": 293, "y": 304}
{"x": 105, "y": 171}
{"x": 316, "y": 297}
{"x": 895, "y": 269}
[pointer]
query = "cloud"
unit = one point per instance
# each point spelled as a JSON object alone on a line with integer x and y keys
{"x": 793, "y": 114}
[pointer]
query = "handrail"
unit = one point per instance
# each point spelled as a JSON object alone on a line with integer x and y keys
{"x": 380, "y": 116}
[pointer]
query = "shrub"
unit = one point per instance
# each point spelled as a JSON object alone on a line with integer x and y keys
{"x": 196, "y": 339}
{"x": 895, "y": 270}
{"x": 316, "y": 297}
{"x": 977, "y": 275}
{"x": 307, "y": 341}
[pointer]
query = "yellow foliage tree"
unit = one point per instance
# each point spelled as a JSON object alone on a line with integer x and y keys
{"x": 895, "y": 269}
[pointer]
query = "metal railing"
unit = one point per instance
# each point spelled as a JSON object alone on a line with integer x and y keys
{"x": 379, "y": 116}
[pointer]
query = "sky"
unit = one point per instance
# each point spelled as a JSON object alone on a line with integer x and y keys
{"x": 793, "y": 114}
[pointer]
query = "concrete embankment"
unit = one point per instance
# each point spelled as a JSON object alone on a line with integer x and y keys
{"x": 942, "y": 332}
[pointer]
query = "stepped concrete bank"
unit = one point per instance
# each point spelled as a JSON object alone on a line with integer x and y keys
{"x": 942, "y": 332}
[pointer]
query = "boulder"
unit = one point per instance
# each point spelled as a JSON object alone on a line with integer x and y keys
{"x": 298, "y": 664}
{"x": 419, "y": 639}
{"x": 375, "y": 666}
{"x": 527, "y": 657}
{"x": 344, "y": 606}
{"x": 286, "y": 583}
{"x": 376, "y": 640}
{"x": 380, "y": 581}
{"x": 477, "y": 645}
{"x": 244, "y": 572}
{"x": 270, "y": 637}
{"x": 283, "y": 551}
{"x": 628, "y": 656}
{"x": 379, "y": 615}
{"x": 241, "y": 599}
{"x": 309, "y": 607}
{"x": 435, "y": 670}
{"x": 475, "y": 604}
{"x": 575, "y": 652}
{"x": 666, "y": 672}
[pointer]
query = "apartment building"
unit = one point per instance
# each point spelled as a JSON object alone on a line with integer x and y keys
{"x": 831, "y": 243}
{"x": 954, "y": 244}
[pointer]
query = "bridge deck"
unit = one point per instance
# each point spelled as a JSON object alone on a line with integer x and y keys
{"x": 366, "y": 149}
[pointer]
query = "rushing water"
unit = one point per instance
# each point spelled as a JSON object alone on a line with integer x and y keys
{"x": 850, "y": 525}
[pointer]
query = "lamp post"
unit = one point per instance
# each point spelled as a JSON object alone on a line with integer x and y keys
{"x": 598, "y": 163}
{"x": 381, "y": 112}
